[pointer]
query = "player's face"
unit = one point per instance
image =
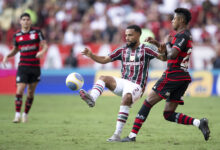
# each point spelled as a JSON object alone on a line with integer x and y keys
{"x": 176, "y": 22}
{"x": 25, "y": 22}
{"x": 131, "y": 37}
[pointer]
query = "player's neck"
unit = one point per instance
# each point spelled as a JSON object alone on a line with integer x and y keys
{"x": 136, "y": 46}
{"x": 25, "y": 30}
{"x": 181, "y": 28}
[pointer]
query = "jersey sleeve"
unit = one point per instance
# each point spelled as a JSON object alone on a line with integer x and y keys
{"x": 40, "y": 35}
{"x": 151, "y": 51}
{"x": 116, "y": 54}
{"x": 181, "y": 42}
{"x": 14, "y": 41}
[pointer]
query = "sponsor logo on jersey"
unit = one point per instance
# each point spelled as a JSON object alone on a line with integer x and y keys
{"x": 21, "y": 38}
{"x": 28, "y": 48}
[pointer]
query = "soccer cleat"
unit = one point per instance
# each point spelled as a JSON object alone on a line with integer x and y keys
{"x": 204, "y": 128}
{"x": 87, "y": 98}
{"x": 127, "y": 139}
{"x": 114, "y": 138}
{"x": 17, "y": 119}
{"x": 24, "y": 118}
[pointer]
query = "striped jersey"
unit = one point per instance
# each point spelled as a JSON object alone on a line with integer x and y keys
{"x": 135, "y": 63}
{"x": 177, "y": 68}
{"x": 28, "y": 44}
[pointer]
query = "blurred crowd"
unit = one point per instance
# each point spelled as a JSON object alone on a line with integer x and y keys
{"x": 104, "y": 21}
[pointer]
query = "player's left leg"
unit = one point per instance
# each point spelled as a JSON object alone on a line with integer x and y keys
{"x": 170, "y": 114}
{"x": 130, "y": 93}
{"x": 122, "y": 117}
{"x": 29, "y": 101}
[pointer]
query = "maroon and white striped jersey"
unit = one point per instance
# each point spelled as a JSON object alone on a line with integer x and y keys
{"x": 135, "y": 63}
{"x": 28, "y": 45}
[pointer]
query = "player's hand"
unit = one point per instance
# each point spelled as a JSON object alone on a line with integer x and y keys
{"x": 168, "y": 38}
{"x": 87, "y": 52}
{"x": 152, "y": 41}
{"x": 162, "y": 48}
{"x": 39, "y": 54}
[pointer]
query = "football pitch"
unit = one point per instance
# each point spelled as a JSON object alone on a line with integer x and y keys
{"x": 65, "y": 122}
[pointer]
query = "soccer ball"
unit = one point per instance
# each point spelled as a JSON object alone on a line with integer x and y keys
{"x": 74, "y": 81}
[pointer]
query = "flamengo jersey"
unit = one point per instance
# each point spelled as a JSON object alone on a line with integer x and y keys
{"x": 28, "y": 45}
{"x": 135, "y": 63}
{"x": 182, "y": 41}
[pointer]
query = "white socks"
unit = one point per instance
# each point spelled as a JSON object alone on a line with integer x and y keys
{"x": 17, "y": 114}
{"x": 97, "y": 89}
{"x": 196, "y": 122}
{"x": 122, "y": 118}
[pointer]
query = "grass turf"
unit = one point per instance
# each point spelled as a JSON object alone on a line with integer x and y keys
{"x": 64, "y": 122}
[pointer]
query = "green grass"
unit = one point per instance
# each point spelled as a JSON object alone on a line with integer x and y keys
{"x": 60, "y": 122}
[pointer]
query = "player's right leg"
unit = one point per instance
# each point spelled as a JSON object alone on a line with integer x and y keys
{"x": 98, "y": 88}
{"x": 18, "y": 101}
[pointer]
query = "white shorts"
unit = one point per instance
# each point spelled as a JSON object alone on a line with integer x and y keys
{"x": 124, "y": 86}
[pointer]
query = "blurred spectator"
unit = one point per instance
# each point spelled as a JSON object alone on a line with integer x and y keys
{"x": 71, "y": 60}
{"x": 72, "y": 35}
{"x": 216, "y": 60}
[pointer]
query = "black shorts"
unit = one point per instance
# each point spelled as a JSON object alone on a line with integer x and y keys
{"x": 171, "y": 90}
{"x": 28, "y": 74}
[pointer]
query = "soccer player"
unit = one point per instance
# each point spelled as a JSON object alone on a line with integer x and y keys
{"x": 27, "y": 41}
{"x": 135, "y": 58}
{"x": 174, "y": 81}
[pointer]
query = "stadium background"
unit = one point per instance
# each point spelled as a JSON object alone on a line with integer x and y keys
{"x": 71, "y": 25}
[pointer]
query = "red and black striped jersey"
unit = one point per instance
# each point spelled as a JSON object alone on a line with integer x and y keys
{"x": 28, "y": 44}
{"x": 135, "y": 63}
{"x": 177, "y": 68}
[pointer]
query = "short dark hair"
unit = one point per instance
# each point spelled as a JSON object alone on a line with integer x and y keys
{"x": 185, "y": 13}
{"x": 25, "y": 15}
{"x": 135, "y": 27}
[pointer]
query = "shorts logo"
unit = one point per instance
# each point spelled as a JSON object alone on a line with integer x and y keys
{"x": 167, "y": 94}
{"x": 18, "y": 79}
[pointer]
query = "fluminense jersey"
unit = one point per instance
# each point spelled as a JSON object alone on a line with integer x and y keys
{"x": 28, "y": 45}
{"x": 135, "y": 63}
{"x": 177, "y": 68}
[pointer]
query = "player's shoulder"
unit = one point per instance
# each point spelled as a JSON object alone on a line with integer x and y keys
{"x": 122, "y": 47}
{"x": 35, "y": 29}
{"x": 185, "y": 33}
{"x": 18, "y": 33}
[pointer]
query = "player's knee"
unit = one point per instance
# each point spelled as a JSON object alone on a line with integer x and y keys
{"x": 103, "y": 78}
{"x": 167, "y": 115}
{"x": 127, "y": 99}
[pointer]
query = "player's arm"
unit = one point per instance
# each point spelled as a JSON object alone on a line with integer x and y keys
{"x": 10, "y": 54}
{"x": 171, "y": 52}
{"x": 44, "y": 48}
{"x": 98, "y": 59}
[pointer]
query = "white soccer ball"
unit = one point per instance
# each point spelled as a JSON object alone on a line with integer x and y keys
{"x": 74, "y": 81}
